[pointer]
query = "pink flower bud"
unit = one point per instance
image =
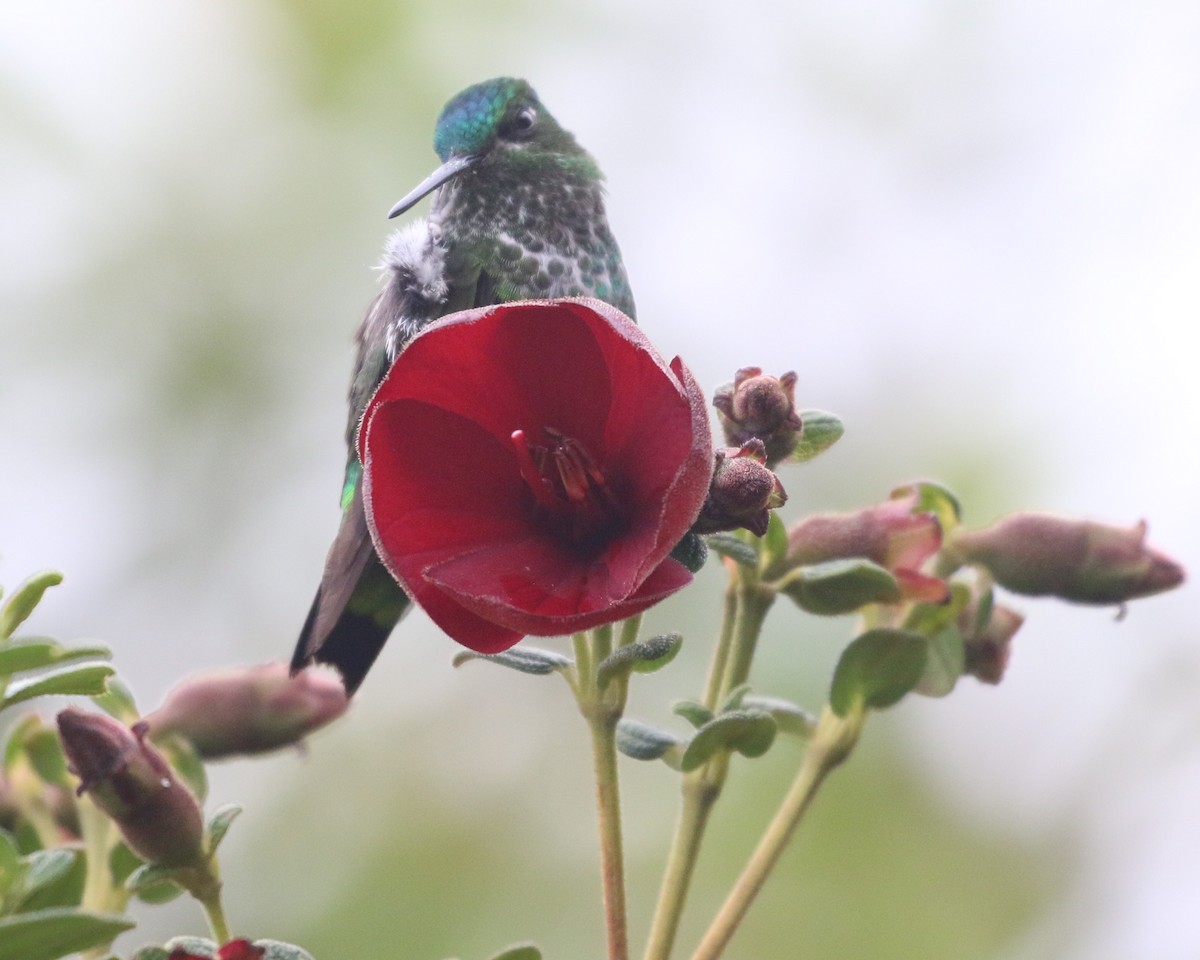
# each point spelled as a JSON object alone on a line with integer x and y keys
{"x": 760, "y": 407}
{"x": 1077, "y": 560}
{"x": 890, "y": 534}
{"x": 743, "y": 492}
{"x": 132, "y": 782}
{"x": 248, "y": 710}
{"x": 988, "y": 646}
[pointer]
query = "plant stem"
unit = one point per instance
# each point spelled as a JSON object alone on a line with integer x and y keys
{"x": 698, "y": 797}
{"x": 612, "y": 860}
{"x": 602, "y": 709}
{"x": 832, "y": 741}
{"x": 747, "y": 601}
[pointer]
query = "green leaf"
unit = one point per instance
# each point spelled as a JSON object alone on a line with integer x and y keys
{"x": 45, "y": 753}
{"x": 200, "y": 946}
{"x": 933, "y": 498}
{"x": 645, "y": 656}
{"x": 749, "y": 732}
{"x": 151, "y": 953}
{"x": 33, "y": 653}
{"x": 790, "y": 718}
{"x": 12, "y": 867}
{"x": 821, "y": 431}
{"x": 155, "y": 884}
{"x": 54, "y": 879}
{"x": 84, "y": 680}
{"x": 691, "y": 551}
{"x": 278, "y": 950}
{"x": 733, "y": 701}
{"x": 117, "y": 701}
{"x": 57, "y": 932}
{"x": 876, "y": 670}
{"x": 15, "y": 610}
{"x": 775, "y": 541}
{"x": 121, "y": 863}
{"x": 944, "y": 663}
{"x": 644, "y": 742}
{"x": 218, "y": 824}
{"x": 523, "y": 659}
{"x": 693, "y": 711}
{"x": 519, "y": 951}
{"x": 734, "y": 547}
{"x": 840, "y": 586}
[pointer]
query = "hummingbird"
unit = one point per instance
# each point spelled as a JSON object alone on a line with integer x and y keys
{"x": 517, "y": 213}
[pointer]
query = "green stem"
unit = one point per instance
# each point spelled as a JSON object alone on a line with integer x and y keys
{"x": 95, "y": 828}
{"x": 602, "y": 709}
{"x": 214, "y": 910}
{"x": 698, "y": 797}
{"x": 747, "y": 602}
{"x": 832, "y": 741}
{"x": 612, "y": 860}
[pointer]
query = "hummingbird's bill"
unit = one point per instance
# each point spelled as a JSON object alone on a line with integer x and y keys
{"x": 451, "y": 168}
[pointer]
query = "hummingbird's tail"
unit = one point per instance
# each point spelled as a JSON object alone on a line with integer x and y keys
{"x": 356, "y": 607}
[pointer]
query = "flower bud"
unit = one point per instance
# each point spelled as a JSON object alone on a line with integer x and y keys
{"x": 1076, "y": 560}
{"x": 760, "y": 407}
{"x": 248, "y": 710}
{"x": 132, "y": 782}
{"x": 890, "y": 534}
{"x": 743, "y": 492}
{"x": 988, "y": 646}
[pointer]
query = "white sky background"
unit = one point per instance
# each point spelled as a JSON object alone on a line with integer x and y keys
{"x": 974, "y": 228}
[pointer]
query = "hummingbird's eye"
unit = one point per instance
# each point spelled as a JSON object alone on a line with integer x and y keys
{"x": 524, "y": 122}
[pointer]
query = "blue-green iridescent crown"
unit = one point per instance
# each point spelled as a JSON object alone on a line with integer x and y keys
{"x": 469, "y": 120}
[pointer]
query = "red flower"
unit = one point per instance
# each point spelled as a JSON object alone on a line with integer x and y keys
{"x": 529, "y": 467}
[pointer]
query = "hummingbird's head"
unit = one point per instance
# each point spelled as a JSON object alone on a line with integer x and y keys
{"x": 501, "y": 114}
{"x": 489, "y": 123}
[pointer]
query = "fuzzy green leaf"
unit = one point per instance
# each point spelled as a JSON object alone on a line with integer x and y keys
{"x": 775, "y": 541}
{"x": 840, "y": 586}
{"x": 519, "y": 951}
{"x": 694, "y": 712}
{"x": 54, "y": 878}
{"x": 16, "y": 609}
{"x": 944, "y": 663}
{"x": 749, "y": 732}
{"x": 645, "y": 656}
{"x": 734, "y": 547}
{"x": 155, "y": 884}
{"x": 876, "y": 670}
{"x": 57, "y": 932}
{"x": 640, "y": 741}
{"x": 117, "y": 701}
{"x": 524, "y": 659}
{"x": 83, "y": 680}
{"x": 34, "y": 653}
{"x": 820, "y": 432}
{"x": 790, "y": 718}
{"x": 218, "y": 824}
{"x": 691, "y": 551}
{"x": 933, "y": 498}
{"x": 278, "y": 950}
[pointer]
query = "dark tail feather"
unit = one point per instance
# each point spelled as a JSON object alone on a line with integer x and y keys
{"x": 356, "y": 607}
{"x": 353, "y": 643}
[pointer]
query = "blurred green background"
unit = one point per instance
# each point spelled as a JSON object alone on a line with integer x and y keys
{"x": 972, "y": 227}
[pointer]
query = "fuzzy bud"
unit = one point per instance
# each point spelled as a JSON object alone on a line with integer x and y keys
{"x": 131, "y": 781}
{"x": 988, "y": 646}
{"x": 890, "y": 534}
{"x": 743, "y": 492}
{"x": 248, "y": 710}
{"x": 762, "y": 407}
{"x": 1076, "y": 560}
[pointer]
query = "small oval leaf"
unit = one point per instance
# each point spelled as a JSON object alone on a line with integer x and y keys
{"x": 840, "y": 586}
{"x": 83, "y": 680}
{"x": 876, "y": 670}
{"x": 734, "y": 547}
{"x": 749, "y": 732}
{"x": 519, "y": 951}
{"x": 640, "y": 741}
{"x": 694, "y": 712}
{"x": 524, "y": 660}
{"x": 17, "y": 608}
{"x": 56, "y": 932}
{"x": 821, "y": 431}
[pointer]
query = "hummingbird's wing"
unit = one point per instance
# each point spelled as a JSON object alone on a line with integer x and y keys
{"x": 358, "y": 602}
